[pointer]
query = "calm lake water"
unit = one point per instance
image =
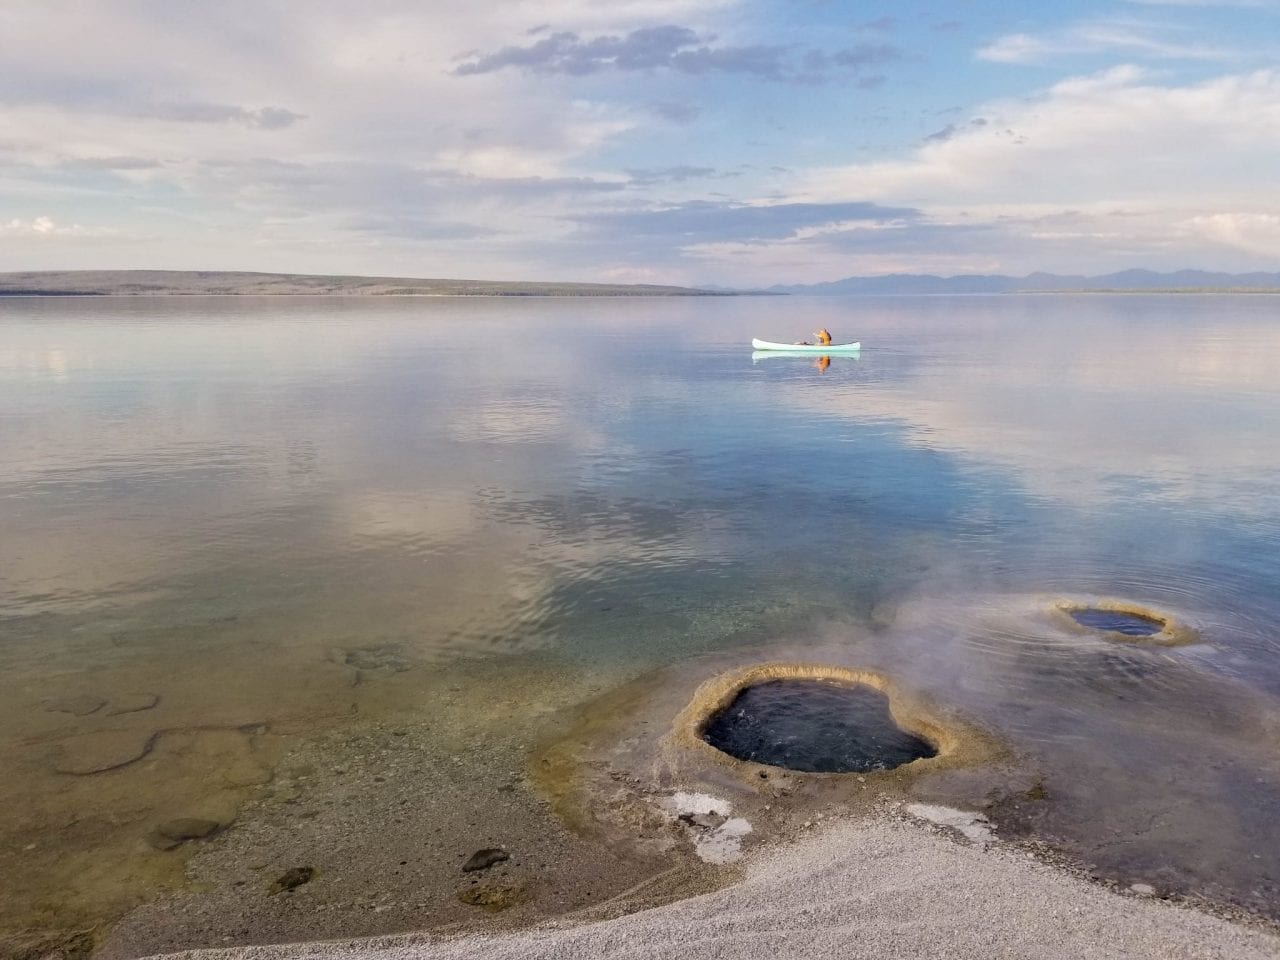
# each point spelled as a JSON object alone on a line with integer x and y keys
{"x": 215, "y": 513}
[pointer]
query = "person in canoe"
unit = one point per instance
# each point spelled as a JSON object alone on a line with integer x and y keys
{"x": 824, "y": 339}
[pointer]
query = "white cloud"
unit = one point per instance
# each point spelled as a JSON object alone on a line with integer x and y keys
{"x": 270, "y": 138}
{"x": 763, "y": 264}
{"x": 328, "y": 139}
{"x": 1257, "y": 233}
{"x": 1112, "y": 138}
{"x": 1110, "y": 165}
{"x": 1124, "y": 37}
{"x": 1205, "y": 3}
{"x": 45, "y": 227}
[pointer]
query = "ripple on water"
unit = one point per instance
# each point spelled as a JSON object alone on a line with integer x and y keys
{"x": 1143, "y": 749}
{"x": 1230, "y": 614}
{"x": 1021, "y": 657}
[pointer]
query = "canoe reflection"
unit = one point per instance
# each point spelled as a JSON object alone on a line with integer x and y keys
{"x": 819, "y": 363}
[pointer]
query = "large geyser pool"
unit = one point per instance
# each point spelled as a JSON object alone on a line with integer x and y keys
{"x": 817, "y": 726}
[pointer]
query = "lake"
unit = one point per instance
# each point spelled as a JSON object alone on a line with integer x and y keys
{"x": 237, "y": 532}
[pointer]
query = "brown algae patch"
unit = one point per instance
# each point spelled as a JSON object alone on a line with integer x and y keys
{"x": 912, "y": 716}
{"x": 495, "y": 898}
{"x": 1165, "y": 629}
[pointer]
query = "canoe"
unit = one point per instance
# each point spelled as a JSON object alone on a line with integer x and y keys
{"x": 806, "y": 347}
{"x": 758, "y": 355}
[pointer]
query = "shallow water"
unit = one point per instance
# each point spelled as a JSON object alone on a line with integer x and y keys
{"x": 282, "y": 516}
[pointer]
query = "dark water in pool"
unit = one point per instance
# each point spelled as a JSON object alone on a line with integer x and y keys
{"x": 814, "y": 726}
{"x": 300, "y": 514}
{"x": 1130, "y": 624}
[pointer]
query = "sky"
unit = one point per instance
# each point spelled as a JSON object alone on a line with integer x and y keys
{"x": 729, "y": 142}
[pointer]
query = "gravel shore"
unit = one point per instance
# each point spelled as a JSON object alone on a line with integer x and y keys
{"x": 880, "y": 890}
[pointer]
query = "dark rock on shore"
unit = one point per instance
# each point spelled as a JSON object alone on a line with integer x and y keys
{"x": 291, "y": 879}
{"x": 704, "y": 821}
{"x": 484, "y": 859}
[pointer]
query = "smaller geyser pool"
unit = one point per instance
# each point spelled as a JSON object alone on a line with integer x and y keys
{"x": 1117, "y": 621}
{"x": 1124, "y": 621}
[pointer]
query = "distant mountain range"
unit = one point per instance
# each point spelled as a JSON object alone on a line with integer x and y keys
{"x": 1124, "y": 281}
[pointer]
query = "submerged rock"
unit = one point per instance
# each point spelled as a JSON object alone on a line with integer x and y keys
{"x": 484, "y": 859}
{"x": 173, "y": 833}
{"x": 103, "y": 751}
{"x": 291, "y": 879}
{"x": 387, "y": 657}
{"x": 81, "y": 706}
{"x": 132, "y": 703}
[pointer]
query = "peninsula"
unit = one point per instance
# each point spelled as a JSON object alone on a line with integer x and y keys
{"x": 141, "y": 283}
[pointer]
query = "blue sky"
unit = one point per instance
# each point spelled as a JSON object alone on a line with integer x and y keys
{"x": 734, "y": 142}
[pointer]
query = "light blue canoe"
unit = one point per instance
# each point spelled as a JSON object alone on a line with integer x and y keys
{"x": 759, "y": 355}
{"x": 806, "y": 348}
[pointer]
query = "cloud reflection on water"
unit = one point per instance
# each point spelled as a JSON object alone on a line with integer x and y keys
{"x": 1089, "y": 409}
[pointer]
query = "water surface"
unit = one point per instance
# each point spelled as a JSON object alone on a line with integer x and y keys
{"x": 286, "y": 516}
